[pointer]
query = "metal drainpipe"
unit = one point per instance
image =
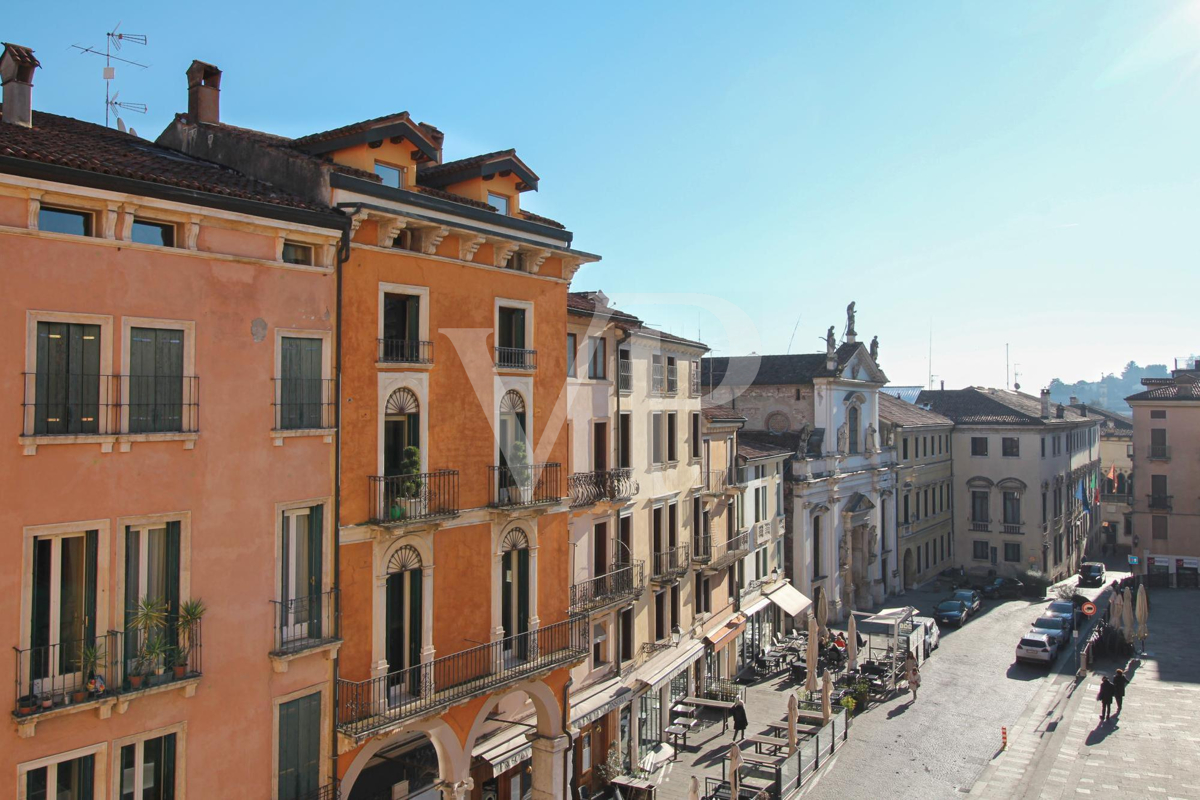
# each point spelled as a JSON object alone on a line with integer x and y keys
{"x": 617, "y": 431}
{"x": 570, "y": 744}
{"x": 343, "y": 256}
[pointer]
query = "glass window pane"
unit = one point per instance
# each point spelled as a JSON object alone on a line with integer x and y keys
{"x": 390, "y": 176}
{"x": 155, "y": 233}
{"x": 297, "y": 253}
{"x": 57, "y": 220}
{"x": 35, "y": 783}
{"x": 499, "y": 201}
{"x": 128, "y": 782}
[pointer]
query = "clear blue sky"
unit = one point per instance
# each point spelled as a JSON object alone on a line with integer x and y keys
{"x": 1020, "y": 172}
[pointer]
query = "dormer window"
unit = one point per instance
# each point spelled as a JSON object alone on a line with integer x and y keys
{"x": 61, "y": 220}
{"x": 295, "y": 253}
{"x": 390, "y": 176}
{"x": 499, "y": 201}
{"x": 160, "y": 234}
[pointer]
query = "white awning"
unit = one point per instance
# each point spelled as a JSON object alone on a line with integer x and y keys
{"x": 609, "y": 696}
{"x": 506, "y": 749}
{"x": 757, "y": 606}
{"x": 789, "y": 598}
{"x": 672, "y": 666}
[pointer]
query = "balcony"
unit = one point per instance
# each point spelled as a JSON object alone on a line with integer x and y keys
{"x": 71, "y": 676}
{"x": 1125, "y": 499}
{"x": 726, "y": 552}
{"x": 980, "y": 527}
{"x": 625, "y": 375}
{"x": 611, "y": 485}
{"x": 658, "y": 379}
{"x": 84, "y": 405}
{"x": 1159, "y": 452}
{"x": 525, "y": 485}
{"x": 1159, "y": 502}
{"x": 330, "y": 791}
{"x": 623, "y": 583}
{"x": 670, "y": 565}
{"x": 715, "y": 482}
{"x": 701, "y": 548}
{"x": 403, "y": 499}
{"x": 1013, "y": 527}
{"x": 694, "y": 381}
{"x": 516, "y": 358}
{"x": 370, "y": 706}
{"x": 304, "y": 404}
{"x": 305, "y": 624}
{"x": 405, "y": 351}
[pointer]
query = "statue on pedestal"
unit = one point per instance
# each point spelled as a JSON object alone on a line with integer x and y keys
{"x": 873, "y": 539}
{"x": 830, "y": 342}
{"x": 843, "y": 440}
{"x": 870, "y": 446}
{"x": 875, "y": 349}
{"x": 850, "y": 332}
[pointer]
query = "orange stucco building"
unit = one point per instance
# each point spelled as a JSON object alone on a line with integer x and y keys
{"x": 133, "y": 276}
{"x": 452, "y": 561}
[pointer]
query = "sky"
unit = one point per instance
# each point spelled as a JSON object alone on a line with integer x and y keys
{"x": 975, "y": 176}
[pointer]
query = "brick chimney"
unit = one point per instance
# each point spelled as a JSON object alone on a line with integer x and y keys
{"x": 204, "y": 92}
{"x": 1045, "y": 404}
{"x": 17, "y": 66}
{"x": 1074, "y": 401}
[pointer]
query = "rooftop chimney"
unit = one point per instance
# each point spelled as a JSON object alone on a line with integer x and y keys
{"x": 1074, "y": 400}
{"x": 943, "y": 386}
{"x": 1045, "y": 404}
{"x": 17, "y": 65}
{"x": 204, "y": 93}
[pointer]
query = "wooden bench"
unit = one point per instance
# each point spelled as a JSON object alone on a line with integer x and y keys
{"x": 766, "y": 761}
{"x": 768, "y": 741}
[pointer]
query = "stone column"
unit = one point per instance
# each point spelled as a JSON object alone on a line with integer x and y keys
{"x": 549, "y": 766}
{"x": 533, "y": 589}
{"x": 426, "y": 614}
{"x": 458, "y": 790}
{"x": 497, "y": 600}
{"x": 379, "y": 665}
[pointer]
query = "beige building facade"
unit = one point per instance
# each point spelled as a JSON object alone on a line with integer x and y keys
{"x": 1116, "y": 485}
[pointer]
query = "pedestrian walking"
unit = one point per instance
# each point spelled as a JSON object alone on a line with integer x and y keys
{"x": 740, "y": 720}
{"x": 914, "y": 677}
{"x": 1105, "y": 697}
{"x": 1119, "y": 682}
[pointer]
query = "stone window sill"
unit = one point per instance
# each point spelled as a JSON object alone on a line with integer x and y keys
{"x": 281, "y": 661}
{"x": 280, "y": 435}
{"x": 106, "y": 441}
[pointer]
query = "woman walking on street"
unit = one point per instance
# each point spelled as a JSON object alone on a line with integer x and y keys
{"x": 740, "y": 720}
{"x": 1105, "y": 697}
{"x": 1119, "y": 682}
{"x": 914, "y": 677}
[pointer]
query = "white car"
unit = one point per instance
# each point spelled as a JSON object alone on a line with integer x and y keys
{"x": 933, "y": 634}
{"x": 1037, "y": 646}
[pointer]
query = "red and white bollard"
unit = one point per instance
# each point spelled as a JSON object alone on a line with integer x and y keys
{"x": 1003, "y": 738}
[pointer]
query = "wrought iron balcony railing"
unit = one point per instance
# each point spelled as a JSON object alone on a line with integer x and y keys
{"x": 304, "y": 403}
{"x": 624, "y": 375}
{"x": 400, "y": 499}
{"x": 715, "y": 481}
{"x": 672, "y": 379}
{"x": 306, "y": 622}
{"x": 72, "y": 405}
{"x": 658, "y": 379}
{"x": 1160, "y": 452}
{"x": 405, "y": 351}
{"x": 1160, "y": 501}
{"x": 376, "y": 704}
{"x": 622, "y": 583}
{"x": 526, "y": 485}
{"x": 516, "y": 358}
{"x": 671, "y": 564}
{"x": 980, "y": 527}
{"x": 1117, "y": 498}
{"x": 587, "y": 488}
{"x": 333, "y": 791}
{"x": 727, "y": 551}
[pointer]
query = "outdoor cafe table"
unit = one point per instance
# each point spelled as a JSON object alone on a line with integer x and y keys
{"x": 703, "y": 702}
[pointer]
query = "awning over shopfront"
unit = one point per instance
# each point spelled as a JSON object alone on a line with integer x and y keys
{"x": 721, "y": 636}
{"x": 757, "y": 606}
{"x": 673, "y": 662}
{"x": 789, "y": 598}
{"x": 608, "y": 696}
{"x": 506, "y": 749}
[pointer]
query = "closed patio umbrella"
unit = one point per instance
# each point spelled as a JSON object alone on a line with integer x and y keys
{"x": 1114, "y": 612}
{"x": 811, "y": 651}
{"x": 1142, "y": 613}
{"x": 735, "y": 763}
{"x": 822, "y": 612}
{"x": 827, "y": 695}
{"x": 793, "y": 719}
{"x": 1127, "y": 623}
{"x": 694, "y": 789}
{"x": 852, "y": 645}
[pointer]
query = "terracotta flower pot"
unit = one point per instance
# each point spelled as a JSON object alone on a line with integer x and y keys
{"x": 135, "y": 681}
{"x": 180, "y": 671}
{"x": 79, "y": 696}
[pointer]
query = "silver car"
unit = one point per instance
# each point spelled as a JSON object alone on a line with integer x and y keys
{"x": 1037, "y": 646}
{"x": 1052, "y": 625}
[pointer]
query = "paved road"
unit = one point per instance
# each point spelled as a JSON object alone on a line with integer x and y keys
{"x": 937, "y": 746}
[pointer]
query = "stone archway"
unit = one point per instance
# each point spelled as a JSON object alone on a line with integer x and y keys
{"x": 910, "y": 572}
{"x": 404, "y": 756}
{"x": 549, "y": 743}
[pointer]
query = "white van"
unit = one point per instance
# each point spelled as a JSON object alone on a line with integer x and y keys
{"x": 932, "y": 635}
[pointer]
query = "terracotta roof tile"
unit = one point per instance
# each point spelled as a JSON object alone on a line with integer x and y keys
{"x": 460, "y": 165}
{"x": 354, "y": 127}
{"x": 722, "y": 414}
{"x": 908, "y": 415}
{"x": 588, "y": 303}
{"x": 774, "y": 370}
{"x": 529, "y": 215}
{"x": 453, "y": 198}
{"x": 1182, "y": 387}
{"x": 975, "y": 406}
{"x": 284, "y": 146}
{"x": 760, "y": 444}
{"x": 68, "y": 142}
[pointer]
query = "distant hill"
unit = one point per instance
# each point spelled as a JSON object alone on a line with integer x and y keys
{"x": 1111, "y": 390}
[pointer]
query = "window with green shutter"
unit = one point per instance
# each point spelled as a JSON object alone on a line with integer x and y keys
{"x": 300, "y": 747}
{"x": 67, "y": 381}
{"x": 155, "y": 382}
{"x": 301, "y": 388}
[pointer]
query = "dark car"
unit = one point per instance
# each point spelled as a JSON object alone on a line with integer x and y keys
{"x": 969, "y": 597}
{"x": 1091, "y": 573}
{"x": 951, "y": 612}
{"x": 953, "y": 577}
{"x": 1002, "y": 587}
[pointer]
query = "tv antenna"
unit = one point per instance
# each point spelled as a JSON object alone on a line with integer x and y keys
{"x": 1016, "y": 378}
{"x": 113, "y": 40}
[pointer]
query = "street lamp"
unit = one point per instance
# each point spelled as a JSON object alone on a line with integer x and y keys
{"x": 676, "y": 636}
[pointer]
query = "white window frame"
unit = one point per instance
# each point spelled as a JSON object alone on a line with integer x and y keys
{"x": 139, "y": 739}
{"x": 422, "y": 324}
{"x": 146, "y": 522}
{"x": 326, "y": 337}
{"x": 99, "y": 776}
{"x": 505, "y": 302}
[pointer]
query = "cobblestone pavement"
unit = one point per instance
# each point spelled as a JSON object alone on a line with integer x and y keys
{"x": 970, "y": 688}
{"x": 1062, "y": 750}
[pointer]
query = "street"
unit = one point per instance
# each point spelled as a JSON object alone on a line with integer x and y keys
{"x": 970, "y": 689}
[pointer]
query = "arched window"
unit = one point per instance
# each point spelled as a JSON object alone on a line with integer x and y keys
{"x": 404, "y": 623}
{"x": 852, "y": 423}
{"x": 514, "y": 593}
{"x": 816, "y": 546}
{"x": 401, "y": 429}
{"x": 1121, "y": 483}
{"x": 512, "y": 427}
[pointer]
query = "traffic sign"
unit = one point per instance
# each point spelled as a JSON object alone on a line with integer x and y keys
{"x": 1088, "y": 608}
{"x": 1133, "y": 560}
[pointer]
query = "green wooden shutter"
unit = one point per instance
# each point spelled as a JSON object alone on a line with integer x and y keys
{"x": 141, "y": 380}
{"x": 299, "y": 747}
{"x": 91, "y": 548}
{"x": 413, "y": 421}
{"x": 172, "y": 578}
{"x": 132, "y": 589}
{"x": 167, "y": 792}
{"x": 87, "y": 777}
{"x": 39, "y": 634}
{"x": 518, "y": 333}
{"x": 415, "y": 585}
{"x": 508, "y": 574}
{"x": 394, "y": 624}
{"x": 412, "y": 320}
{"x": 523, "y": 602}
{"x": 315, "y": 565}
{"x": 84, "y": 358}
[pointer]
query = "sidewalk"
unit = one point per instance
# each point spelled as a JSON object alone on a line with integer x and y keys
{"x": 1059, "y": 749}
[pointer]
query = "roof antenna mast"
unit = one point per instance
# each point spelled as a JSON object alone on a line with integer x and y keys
{"x": 113, "y": 40}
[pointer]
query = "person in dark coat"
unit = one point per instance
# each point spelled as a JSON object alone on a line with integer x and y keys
{"x": 740, "y": 720}
{"x": 1119, "y": 682}
{"x": 1105, "y": 697}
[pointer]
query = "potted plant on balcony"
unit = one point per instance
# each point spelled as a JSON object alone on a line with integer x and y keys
{"x": 27, "y": 704}
{"x": 146, "y": 619}
{"x": 89, "y": 659}
{"x": 522, "y": 475}
{"x": 409, "y": 485}
{"x": 154, "y": 656}
{"x": 187, "y": 625}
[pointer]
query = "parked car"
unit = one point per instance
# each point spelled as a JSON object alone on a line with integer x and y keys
{"x": 933, "y": 634}
{"x": 1064, "y": 608}
{"x": 1002, "y": 587}
{"x": 970, "y": 598}
{"x": 1058, "y": 627}
{"x": 1037, "y": 646}
{"x": 951, "y": 612}
{"x": 1091, "y": 573}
